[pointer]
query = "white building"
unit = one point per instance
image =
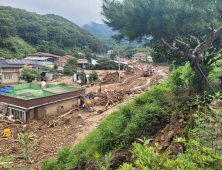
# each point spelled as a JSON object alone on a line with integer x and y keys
{"x": 93, "y": 62}
{"x": 150, "y": 59}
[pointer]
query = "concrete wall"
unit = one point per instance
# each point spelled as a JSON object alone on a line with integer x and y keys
{"x": 14, "y": 72}
{"x": 52, "y": 109}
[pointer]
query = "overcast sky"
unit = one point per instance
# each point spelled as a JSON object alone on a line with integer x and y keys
{"x": 78, "y": 11}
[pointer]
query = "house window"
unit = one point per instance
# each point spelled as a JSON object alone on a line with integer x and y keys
{"x": 8, "y": 76}
{"x": 140, "y": 56}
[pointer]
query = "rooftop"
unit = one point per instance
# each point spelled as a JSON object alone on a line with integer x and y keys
{"x": 32, "y": 91}
{"x": 44, "y": 54}
{"x": 30, "y": 95}
{"x": 17, "y": 63}
{"x": 36, "y": 58}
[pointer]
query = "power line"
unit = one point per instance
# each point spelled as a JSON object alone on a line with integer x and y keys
{"x": 206, "y": 79}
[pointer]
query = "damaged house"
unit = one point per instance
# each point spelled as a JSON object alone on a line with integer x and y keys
{"x": 28, "y": 101}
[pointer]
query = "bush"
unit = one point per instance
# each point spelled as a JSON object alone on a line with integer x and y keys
{"x": 171, "y": 67}
{"x": 56, "y": 74}
{"x": 195, "y": 158}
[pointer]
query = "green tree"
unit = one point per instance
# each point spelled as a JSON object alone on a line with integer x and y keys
{"x": 29, "y": 74}
{"x": 83, "y": 77}
{"x": 93, "y": 76}
{"x": 55, "y": 66}
{"x": 70, "y": 66}
{"x": 104, "y": 63}
{"x": 169, "y": 22}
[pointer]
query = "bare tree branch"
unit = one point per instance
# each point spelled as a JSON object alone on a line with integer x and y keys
{"x": 208, "y": 42}
{"x": 195, "y": 39}
{"x": 212, "y": 54}
{"x": 174, "y": 49}
{"x": 180, "y": 42}
{"x": 213, "y": 31}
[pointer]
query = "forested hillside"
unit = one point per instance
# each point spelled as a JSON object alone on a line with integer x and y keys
{"x": 23, "y": 32}
{"x": 104, "y": 33}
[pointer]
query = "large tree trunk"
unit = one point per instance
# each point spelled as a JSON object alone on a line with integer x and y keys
{"x": 202, "y": 77}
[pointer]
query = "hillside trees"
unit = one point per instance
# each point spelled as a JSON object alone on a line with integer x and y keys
{"x": 187, "y": 28}
{"x": 46, "y": 33}
{"x": 7, "y": 26}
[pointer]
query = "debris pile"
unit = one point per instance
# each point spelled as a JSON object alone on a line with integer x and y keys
{"x": 111, "y": 78}
{"x": 106, "y": 98}
{"x": 129, "y": 72}
{"x": 54, "y": 132}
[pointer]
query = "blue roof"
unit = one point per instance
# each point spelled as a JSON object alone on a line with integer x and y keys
{"x": 105, "y": 55}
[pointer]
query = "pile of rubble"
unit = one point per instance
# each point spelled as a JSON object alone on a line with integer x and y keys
{"x": 106, "y": 98}
{"x": 111, "y": 78}
{"x": 129, "y": 72}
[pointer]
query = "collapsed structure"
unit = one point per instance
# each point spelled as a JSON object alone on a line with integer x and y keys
{"x": 28, "y": 101}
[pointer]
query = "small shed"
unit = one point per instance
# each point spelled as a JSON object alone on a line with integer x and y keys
{"x": 150, "y": 59}
{"x": 46, "y": 74}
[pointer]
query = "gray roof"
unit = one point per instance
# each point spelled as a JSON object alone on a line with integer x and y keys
{"x": 46, "y": 55}
{"x": 18, "y": 62}
{"x": 5, "y": 64}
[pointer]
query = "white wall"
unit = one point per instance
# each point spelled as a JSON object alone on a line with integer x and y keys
{"x": 93, "y": 61}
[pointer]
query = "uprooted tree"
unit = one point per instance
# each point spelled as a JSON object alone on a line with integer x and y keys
{"x": 188, "y": 28}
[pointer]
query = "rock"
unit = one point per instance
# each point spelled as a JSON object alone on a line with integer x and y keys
{"x": 79, "y": 116}
{"x": 95, "y": 113}
{"x": 175, "y": 148}
{"x": 91, "y": 109}
{"x": 165, "y": 146}
{"x": 79, "y": 126}
{"x": 166, "y": 143}
{"x": 181, "y": 120}
{"x": 184, "y": 122}
{"x": 162, "y": 138}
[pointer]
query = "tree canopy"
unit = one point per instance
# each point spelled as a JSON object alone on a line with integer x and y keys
{"x": 104, "y": 63}
{"x": 29, "y": 74}
{"x": 187, "y": 28}
{"x": 70, "y": 66}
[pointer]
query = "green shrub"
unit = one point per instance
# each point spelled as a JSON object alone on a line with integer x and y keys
{"x": 195, "y": 158}
{"x": 171, "y": 67}
{"x": 56, "y": 74}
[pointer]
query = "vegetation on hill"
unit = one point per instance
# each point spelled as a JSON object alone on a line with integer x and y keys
{"x": 23, "y": 32}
